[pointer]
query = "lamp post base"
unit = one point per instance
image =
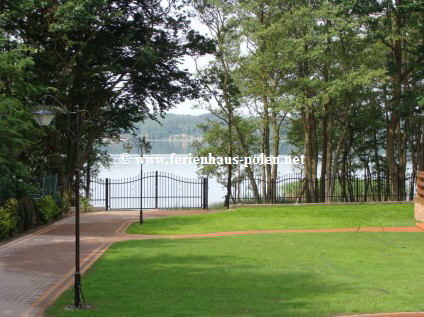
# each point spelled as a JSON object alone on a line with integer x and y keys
{"x": 81, "y": 307}
{"x": 78, "y": 304}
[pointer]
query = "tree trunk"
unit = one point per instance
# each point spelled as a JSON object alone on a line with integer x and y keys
{"x": 246, "y": 153}
{"x": 311, "y": 152}
{"x": 330, "y": 177}
{"x": 324, "y": 135}
{"x": 266, "y": 147}
{"x": 377, "y": 165}
{"x": 390, "y": 154}
{"x": 88, "y": 179}
{"x": 275, "y": 152}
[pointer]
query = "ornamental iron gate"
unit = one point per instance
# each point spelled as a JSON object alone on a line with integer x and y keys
{"x": 158, "y": 190}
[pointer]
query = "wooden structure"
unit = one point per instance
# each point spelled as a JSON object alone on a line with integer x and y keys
{"x": 419, "y": 199}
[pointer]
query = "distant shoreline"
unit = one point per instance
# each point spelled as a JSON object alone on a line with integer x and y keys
{"x": 159, "y": 140}
{"x": 166, "y": 140}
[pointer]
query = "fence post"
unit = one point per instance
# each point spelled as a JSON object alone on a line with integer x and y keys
{"x": 316, "y": 190}
{"x": 156, "y": 190}
{"x": 323, "y": 189}
{"x": 202, "y": 193}
{"x": 357, "y": 189}
{"x": 107, "y": 194}
{"x": 205, "y": 193}
{"x": 141, "y": 195}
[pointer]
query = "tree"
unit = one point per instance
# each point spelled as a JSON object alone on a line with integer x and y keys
{"x": 16, "y": 128}
{"x": 263, "y": 77}
{"x": 116, "y": 59}
{"x": 399, "y": 26}
{"x": 328, "y": 61}
{"x": 216, "y": 138}
{"x": 218, "y": 81}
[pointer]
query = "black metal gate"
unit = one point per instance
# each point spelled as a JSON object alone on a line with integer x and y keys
{"x": 157, "y": 190}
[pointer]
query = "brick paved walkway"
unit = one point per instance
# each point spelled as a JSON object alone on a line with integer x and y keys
{"x": 35, "y": 269}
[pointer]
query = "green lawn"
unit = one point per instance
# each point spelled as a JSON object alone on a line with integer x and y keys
{"x": 282, "y": 275}
{"x": 285, "y": 217}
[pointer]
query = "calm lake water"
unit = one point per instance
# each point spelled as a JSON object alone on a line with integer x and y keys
{"x": 118, "y": 170}
{"x": 158, "y": 147}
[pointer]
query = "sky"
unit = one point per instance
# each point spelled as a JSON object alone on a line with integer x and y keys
{"x": 188, "y": 63}
{"x": 187, "y": 106}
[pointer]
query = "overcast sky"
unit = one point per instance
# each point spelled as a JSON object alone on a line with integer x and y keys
{"x": 187, "y": 107}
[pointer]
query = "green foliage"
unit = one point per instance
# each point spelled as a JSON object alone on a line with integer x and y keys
{"x": 47, "y": 209}
{"x": 7, "y": 224}
{"x": 85, "y": 204}
{"x": 8, "y": 218}
{"x": 59, "y": 202}
{"x": 23, "y": 214}
{"x": 11, "y": 206}
{"x": 27, "y": 214}
{"x": 66, "y": 200}
{"x": 17, "y": 133}
{"x": 116, "y": 59}
{"x": 347, "y": 73}
{"x": 215, "y": 141}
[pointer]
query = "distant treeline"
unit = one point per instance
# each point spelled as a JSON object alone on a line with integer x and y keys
{"x": 173, "y": 126}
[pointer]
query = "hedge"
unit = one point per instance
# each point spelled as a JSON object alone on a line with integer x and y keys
{"x": 18, "y": 216}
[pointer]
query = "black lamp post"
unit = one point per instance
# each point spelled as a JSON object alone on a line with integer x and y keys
{"x": 140, "y": 143}
{"x": 43, "y": 117}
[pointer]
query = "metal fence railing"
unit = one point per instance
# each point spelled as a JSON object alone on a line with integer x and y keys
{"x": 295, "y": 188}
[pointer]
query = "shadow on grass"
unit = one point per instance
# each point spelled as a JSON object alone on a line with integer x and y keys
{"x": 132, "y": 280}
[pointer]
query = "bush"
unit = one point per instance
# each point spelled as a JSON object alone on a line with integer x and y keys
{"x": 26, "y": 214}
{"x": 66, "y": 200}
{"x": 11, "y": 206}
{"x": 48, "y": 210}
{"x": 85, "y": 204}
{"x": 8, "y": 218}
{"x": 59, "y": 202}
{"x": 7, "y": 224}
{"x": 17, "y": 216}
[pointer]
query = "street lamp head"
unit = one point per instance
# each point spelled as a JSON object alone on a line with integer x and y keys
{"x": 43, "y": 117}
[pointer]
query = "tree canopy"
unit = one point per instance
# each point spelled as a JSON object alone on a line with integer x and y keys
{"x": 119, "y": 60}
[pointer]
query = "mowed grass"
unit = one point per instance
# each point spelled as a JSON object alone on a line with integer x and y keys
{"x": 283, "y": 217}
{"x": 284, "y": 275}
